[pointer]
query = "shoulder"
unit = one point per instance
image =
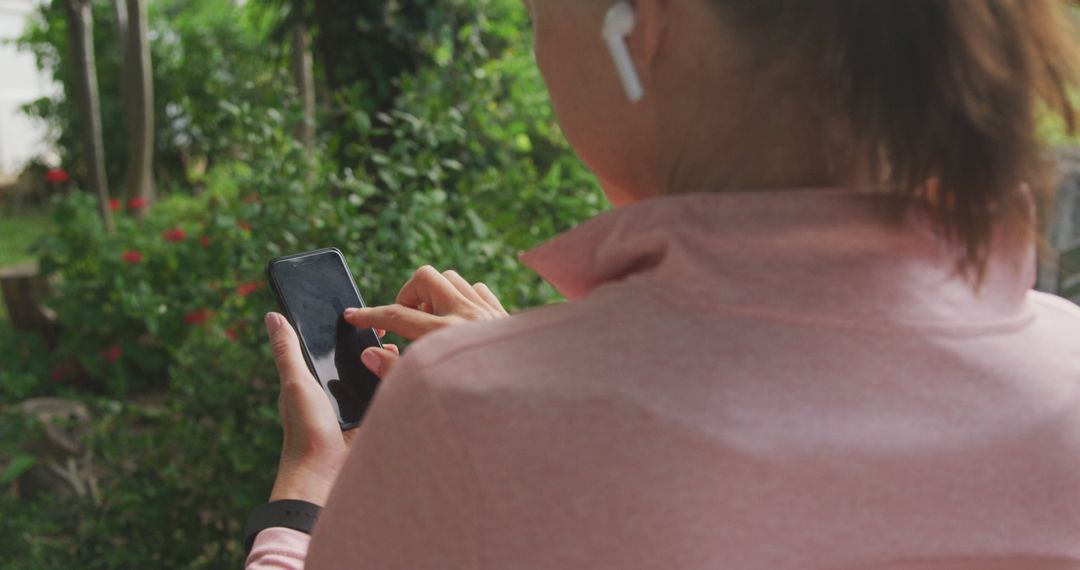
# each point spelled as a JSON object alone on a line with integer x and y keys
{"x": 469, "y": 352}
{"x": 1056, "y": 326}
{"x": 1055, "y": 307}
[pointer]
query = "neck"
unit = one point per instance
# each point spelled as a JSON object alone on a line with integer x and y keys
{"x": 795, "y": 158}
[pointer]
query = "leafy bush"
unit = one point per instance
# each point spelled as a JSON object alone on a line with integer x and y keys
{"x": 209, "y": 58}
{"x": 24, "y": 363}
{"x": 163, "y": 319}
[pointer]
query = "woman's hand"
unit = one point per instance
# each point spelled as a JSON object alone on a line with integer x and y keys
{"x": 428, "y": 302}
{"x": 315, "y": 447}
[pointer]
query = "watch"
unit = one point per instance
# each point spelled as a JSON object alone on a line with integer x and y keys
{"x": 297, "y": 515}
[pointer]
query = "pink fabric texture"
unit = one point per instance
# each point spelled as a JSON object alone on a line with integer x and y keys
{"x": 278, "y": 549}
{"x": 762, "y": 380}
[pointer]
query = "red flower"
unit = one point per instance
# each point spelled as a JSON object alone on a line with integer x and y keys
{"x": 195, "y": 318}
{"x": 174, "y": 235}
{"x": 59, "y": 373}
{"x": 204, "y": 241}
{"x": 114, "y": 205}
{"x": 112, "y": 354}
{"x": 132, "y": 257}
{"x": 232, "y": 334}
{"x": 137, "y": 203}
{"x": 57, "y": 176}
{"x": 246, "y": 289}
{"x": 244, "y": 226}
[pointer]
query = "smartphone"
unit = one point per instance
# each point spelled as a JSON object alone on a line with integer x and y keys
{"x": 314, "y": 289}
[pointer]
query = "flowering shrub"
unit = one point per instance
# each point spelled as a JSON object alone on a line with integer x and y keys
{"x": 174, "y": 235}
{"x": 57, "y": 176}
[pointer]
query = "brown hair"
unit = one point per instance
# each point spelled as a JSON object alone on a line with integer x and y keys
{"x": 951, "y": 91}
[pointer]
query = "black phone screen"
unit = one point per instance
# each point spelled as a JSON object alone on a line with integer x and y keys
{"x": 314, "y": 291}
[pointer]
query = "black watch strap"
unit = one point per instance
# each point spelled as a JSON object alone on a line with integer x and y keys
{"x": 297, "y": 515}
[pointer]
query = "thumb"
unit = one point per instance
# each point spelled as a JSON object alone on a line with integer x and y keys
{"x": 379, "y": 360}
{"x": 302, "y": 403}
{"x": 285, "y": 347}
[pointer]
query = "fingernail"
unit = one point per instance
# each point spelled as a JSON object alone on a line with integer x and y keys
{"x": 351, "y": 312}
{"x": 371, "y": 359}
{"x": 273, "y": 323}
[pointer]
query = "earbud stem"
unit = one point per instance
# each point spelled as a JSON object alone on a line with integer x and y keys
{"x": 625, "y": 66}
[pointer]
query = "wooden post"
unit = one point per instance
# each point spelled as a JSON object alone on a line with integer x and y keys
{"x": 24, "y": 291}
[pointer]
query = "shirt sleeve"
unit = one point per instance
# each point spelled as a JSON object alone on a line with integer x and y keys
{"x": 278, "y": 549}
{"x": 406, "y": 497}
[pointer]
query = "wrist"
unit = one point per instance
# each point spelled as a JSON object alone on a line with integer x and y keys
{"x": 293, "y": 514}
{"x": 301, "y": 485}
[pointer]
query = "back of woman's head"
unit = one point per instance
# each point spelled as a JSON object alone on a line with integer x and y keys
{"x": 952, "y": 91}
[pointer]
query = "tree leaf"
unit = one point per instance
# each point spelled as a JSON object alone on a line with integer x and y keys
{"x": 19, "y": 465}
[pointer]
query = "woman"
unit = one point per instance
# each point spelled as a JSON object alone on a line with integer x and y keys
{"x": 805, "y": 338}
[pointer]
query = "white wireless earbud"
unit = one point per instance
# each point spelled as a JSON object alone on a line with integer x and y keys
{"x": 618, "y": 24}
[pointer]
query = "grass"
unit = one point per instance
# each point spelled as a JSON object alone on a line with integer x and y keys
{"x": 17, "y": 233}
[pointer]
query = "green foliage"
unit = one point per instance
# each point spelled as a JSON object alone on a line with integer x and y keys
{"x": 24, "y": 366}
{"x": 209, "y": 58}
{"x": 1053, "y": 131}
{"x": 373, "y": 44}
{"x": 467, "y": 169}
{"x": 367, "y": 48}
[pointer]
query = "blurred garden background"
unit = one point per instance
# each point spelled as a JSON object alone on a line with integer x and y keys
{"x": 189, "y": 141}
{"x": 185, "y": 143}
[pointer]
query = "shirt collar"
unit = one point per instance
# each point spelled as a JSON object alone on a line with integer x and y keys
{"x": 822, "y": 253}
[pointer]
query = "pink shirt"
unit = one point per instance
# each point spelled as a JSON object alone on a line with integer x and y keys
{"x": 763, "y": 380}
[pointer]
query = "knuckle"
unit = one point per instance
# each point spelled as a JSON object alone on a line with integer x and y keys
{"x": 290, "y": 389}
{"x": 426, "y": 272}
{"x": 393, "y": 313}
{"x": 456, "y": 319}
{"x": 471, "y": 314}
{"x": 279, "y": 347}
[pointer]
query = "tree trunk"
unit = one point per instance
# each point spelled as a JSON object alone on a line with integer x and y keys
{"x": 121, "y": 15}
{"x": 81, "y": 39}
{"x": 139, "y": 104}
{"x": 304, "y": 78}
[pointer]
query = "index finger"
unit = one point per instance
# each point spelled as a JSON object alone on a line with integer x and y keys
{"x": 428, "y": 286}
{"x": 409, "y": 323}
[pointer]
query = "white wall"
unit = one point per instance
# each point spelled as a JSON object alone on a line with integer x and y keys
{"x": 20, "y": 83}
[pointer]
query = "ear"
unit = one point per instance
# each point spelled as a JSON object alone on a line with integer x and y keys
{"x": 648, "y": 37}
